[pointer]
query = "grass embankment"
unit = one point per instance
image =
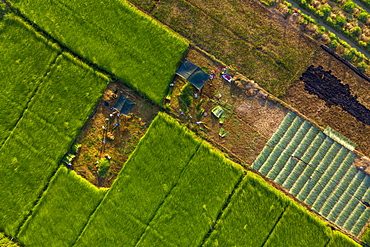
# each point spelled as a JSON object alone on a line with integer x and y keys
{"x": 116, "y": 36}
{"x": 260, "y": 45}
{"x": 62, "y": 212}
{"x": 58, "y": 105}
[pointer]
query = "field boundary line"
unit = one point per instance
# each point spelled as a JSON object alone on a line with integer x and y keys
{"x": 277, "y": 221}
{"x": 169, "y": 192}
{"x": 50, "y": 67}
{"x": 36, "y": 202}
{"x": 345, "y": 62}
{"x": 224, "y": 207}
{"x": 33, "y": 94}
{"x": 327, "y": 242}
{"x": 90, "y": 216}
{"x": 63, "y": 47}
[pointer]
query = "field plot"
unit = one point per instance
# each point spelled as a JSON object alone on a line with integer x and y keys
{"x": 25, "y": 58}
{"x": 163, "y": 173}
{"x": 250, "y": 216}
{"x": 196, "y": 198}
{"x": 93, "y": 140}
{"x": 261, "y": 45}
{"x": 44, "y": 135}
{"x": 193, "y": 205}
{"x": 298, "y": 228}
{"x": 62, "y": 212}
{"x": 259, "y": 215}
{"x": 334, "y": 116}
{"x": 46, "y": 125}
{"x": 318, "y": 171}
{"x": 117, "y": 37}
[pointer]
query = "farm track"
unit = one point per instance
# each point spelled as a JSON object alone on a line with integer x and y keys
{"x": 331, "y": 29}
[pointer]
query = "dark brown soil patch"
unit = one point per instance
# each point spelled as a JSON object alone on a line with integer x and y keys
{"x": 320, "y": 113}
{"x": 330, "y": 89}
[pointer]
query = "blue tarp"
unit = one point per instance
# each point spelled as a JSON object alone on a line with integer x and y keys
{"x": 193, "y": 74}
{"x": 123, "y": 105}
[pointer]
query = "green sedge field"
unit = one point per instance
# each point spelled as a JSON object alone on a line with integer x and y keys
{"x": 174, "y": 190}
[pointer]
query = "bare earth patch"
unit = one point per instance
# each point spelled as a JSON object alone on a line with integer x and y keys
{"x": 251, "y": 115}
{"x": 334, "y": 116}
{"x": 117, "y": 142}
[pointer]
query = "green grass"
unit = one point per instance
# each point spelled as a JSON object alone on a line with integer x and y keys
{"x": 298, "y": 227}
{"x": 250, "y": 216}
{"x": 259, "y": 214}
{"x": 57, "y": 110}
{"x": 366, "y": 236}
{"x": 6, "y": 242}
{"x": 25, "y": 58}
{"x": 193, "y": 205}
{"x": 340, "y": 240}
{"x": 62, "y": 212}
{"x": 147, "y": 178}
{"x": 116, "y": 36}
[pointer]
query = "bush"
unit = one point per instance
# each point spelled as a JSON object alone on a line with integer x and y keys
{"x": 349, "y": 6}
{"x": 103, "y": 167}
{"x": 326, "y": 10}
{"x": 340, "y": 20}
{"x": 186, "y": 96}
{"x": 362, "y": 66}
{"x": 333, "y": 44}
{"x": 356, "y": 31}
{"x": 363, "y": 16}
{"x": 75, "y": 148}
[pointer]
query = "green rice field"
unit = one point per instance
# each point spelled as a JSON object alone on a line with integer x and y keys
{"x": 318, "y": 171}
{"x": 25, "y": 58}
{"x": 174, "y": 189}
{"x": 45, "y": 122}
{"x": 116, "y": 36}
{"x": 207, "y": 201}
{"x": 179, "y": 167}
{"x": 65, "y": 206}
{"x": 259, "y": 215}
